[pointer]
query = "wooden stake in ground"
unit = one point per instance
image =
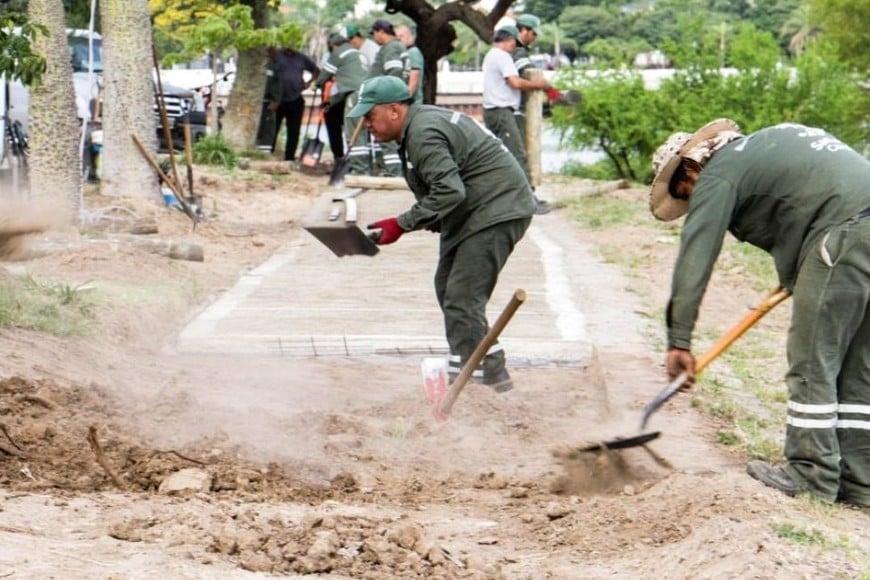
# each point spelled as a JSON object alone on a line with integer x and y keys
{"x": 169, "y": 183}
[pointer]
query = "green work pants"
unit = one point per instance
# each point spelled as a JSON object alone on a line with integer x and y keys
{"x": 503, "y": 124}
{"x": 387, "y": 158}
{"x": 359, "y": 153}
{"x": 827, "y": 441}
{"x": 464, "y": 281}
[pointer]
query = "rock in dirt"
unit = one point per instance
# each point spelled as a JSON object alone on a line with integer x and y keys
{"x": 189, "y": 479}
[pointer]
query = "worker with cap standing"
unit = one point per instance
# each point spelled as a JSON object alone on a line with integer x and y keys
{"x": 348, "y": 67}
{"x": 391, "y": 60}
{"x": 415, "y": 62}
{"x": 502, "y": 89}
{"x": 528, "y": 27}
{"x": 801, "y": 195}
{"x": 468, "y": 188}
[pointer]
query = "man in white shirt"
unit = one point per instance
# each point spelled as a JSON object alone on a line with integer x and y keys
{"x": 502, "y": 91}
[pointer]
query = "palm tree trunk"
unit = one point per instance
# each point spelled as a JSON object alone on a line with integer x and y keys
{"x": 55, "y": 164}
{"x": 128, "y": 99}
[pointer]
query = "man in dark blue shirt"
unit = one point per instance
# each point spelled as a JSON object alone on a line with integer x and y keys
{"x": 288, "y": 71}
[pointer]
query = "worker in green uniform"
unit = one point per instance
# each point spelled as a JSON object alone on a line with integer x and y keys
{"x": 803, "y": 196}
{"x": 391, "y": 60}
{"x": 415, "y": 62}
{"x": 348, "y": 67}
{"x": 469, "y": 188}
{"x": 528, "y": 27}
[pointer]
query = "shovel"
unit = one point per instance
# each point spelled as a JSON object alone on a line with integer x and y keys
{"x": 435, "y": 370}
{"x": 776, "y": 296}
{"x": 341, "y": 165}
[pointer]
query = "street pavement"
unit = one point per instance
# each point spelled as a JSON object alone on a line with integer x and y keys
{"x": 305, "y": 301}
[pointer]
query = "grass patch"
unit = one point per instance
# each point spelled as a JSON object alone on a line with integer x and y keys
{"x": 214, "y": 150}
{"x": 54, "y": 307}
{"x": 599, "y": 211}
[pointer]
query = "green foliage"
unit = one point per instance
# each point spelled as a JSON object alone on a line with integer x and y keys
{"x": 53, "y": 307}
{"x": 214, "y": 150}
{"x": 584, "y": 24}
{"x": 628, "y": 122}
{"x": 17, "y": 59}
{"x": 846, "y": 26}
{"x": 617, "y": 116}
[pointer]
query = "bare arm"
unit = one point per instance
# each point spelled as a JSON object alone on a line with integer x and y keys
{"x": 522, "y": 84}
{"x": 413, "y": 81}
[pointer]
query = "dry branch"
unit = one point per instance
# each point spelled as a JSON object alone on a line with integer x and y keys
{"x": 101, "y": 459}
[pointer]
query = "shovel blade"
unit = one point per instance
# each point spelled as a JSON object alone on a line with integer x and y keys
{"x": 435, "y": 384}
{"x": 311, "y": 152}
{"x": 623, "y": 442}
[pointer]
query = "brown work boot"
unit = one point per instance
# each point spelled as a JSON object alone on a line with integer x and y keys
{"x": 775, "y": 477}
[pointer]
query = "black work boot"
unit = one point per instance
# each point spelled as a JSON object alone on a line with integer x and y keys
{"x": 775, "y": 477}
{"x": 541, "y": 207}
{"x": 500, "y": 381}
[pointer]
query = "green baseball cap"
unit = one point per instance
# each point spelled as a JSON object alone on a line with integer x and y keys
{"x": 530, "y": 21}
{"x": 349, "y": 31}
{"x": 510, "y": 29}
{"x": 379, "y": 91}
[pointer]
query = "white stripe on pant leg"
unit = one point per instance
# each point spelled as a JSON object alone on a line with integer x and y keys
{"x": 857, "y": 409}
{"x": 853, "y": 424}
{"x": 812, "y": 423}
{"x": 812, "y": 409}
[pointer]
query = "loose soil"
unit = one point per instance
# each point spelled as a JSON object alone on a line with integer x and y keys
{"x": 120, "y": 458}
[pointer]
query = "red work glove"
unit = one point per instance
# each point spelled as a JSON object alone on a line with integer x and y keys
{"x": 553, "y": 95}
{"x": 679, "y": 360}
{"x": 390, "y": 231}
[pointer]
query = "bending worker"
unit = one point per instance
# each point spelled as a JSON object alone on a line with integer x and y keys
{"x": 803, "y": 196}
{"x": 469, "y": 188}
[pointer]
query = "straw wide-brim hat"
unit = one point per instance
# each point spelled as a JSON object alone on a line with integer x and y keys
{"x": 668, "y": 157}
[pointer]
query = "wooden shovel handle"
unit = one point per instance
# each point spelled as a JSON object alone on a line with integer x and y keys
{"x": 356, "y": 131}
{"x": 776, "y": 296}
{"x": 488, "y": 340}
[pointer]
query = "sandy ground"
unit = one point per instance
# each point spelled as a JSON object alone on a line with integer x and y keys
{"x": 344, "y": 473}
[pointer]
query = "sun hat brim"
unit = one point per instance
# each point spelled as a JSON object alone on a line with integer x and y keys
{"x": 662, "y": 204}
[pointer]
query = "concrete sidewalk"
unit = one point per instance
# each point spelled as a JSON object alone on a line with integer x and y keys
{"x": 304, "y": 301}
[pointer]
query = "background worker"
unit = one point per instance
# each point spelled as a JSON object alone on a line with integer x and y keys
{"x": 803, "y": 196}
{"x": 502, "y": 88}
{"x": 346, "y": 67}
{"x": 289, "y": 67}
{"x": 529, "y": 27}
{"x": 468, "y": 188}
{"x": 391, "y": 60}
{"x": 415, "y": 62}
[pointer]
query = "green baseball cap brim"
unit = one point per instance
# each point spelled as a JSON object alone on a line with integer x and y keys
{"x": 379, "y": 91}
{"x": 530, "y": 21}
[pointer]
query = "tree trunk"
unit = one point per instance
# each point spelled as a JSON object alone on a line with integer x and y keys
{"x": 242, "y": 116}
{"x": 54, "y": 165}
{"x": 435, "y": 34}
{"x": 128, "y": 99}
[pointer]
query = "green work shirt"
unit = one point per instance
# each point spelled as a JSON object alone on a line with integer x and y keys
{"x": 415, "y": 62}
{"x": 462, "y": 176}
{"x": 391, "y": 60}
{"x": 349, "y": 67}
{"x": 779, "y": 189}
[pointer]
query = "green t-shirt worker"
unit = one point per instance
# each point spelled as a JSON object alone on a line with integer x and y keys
{"x": 391, "y": 60}
{"x": 348, "y": 67}
{"x": 803, "y": 196}
{"x": 469, "y": 188}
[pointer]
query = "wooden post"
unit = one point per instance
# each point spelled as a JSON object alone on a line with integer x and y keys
{"x": 534, "y": 127}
